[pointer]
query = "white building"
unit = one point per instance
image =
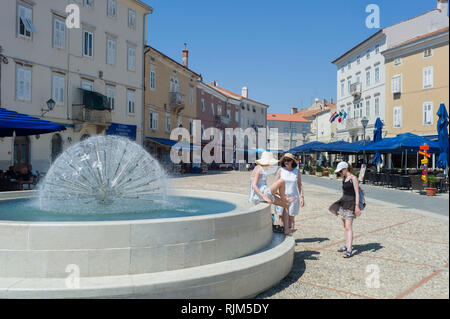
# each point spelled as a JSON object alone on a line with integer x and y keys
{"x": 47, "y": 60}
{"x": 361, "y": 72}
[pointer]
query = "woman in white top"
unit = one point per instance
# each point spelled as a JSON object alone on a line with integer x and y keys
{"x": 261, "y": 192}
{"x": 291, "y": 175}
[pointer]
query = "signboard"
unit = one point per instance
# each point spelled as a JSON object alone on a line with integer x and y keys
{"x": 128, "y": 131}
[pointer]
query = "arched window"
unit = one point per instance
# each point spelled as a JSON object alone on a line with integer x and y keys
{"x": 22, "y": 150}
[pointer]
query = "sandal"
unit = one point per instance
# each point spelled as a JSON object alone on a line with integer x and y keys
{"x": 342, "y": 249}
{"x": 278, "y": 229}
{"x": 347, "y": 254}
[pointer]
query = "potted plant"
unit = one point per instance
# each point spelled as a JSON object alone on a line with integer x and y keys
{"x": 332, "y": 174}
{"x": 306, "y": 169}
{"x": 319, "y": 171}
{"x": 326, "y": 172}
{"x": 431, "y": 189}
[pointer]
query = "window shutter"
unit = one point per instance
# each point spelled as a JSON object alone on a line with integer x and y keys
{"x": 28, "y": 84}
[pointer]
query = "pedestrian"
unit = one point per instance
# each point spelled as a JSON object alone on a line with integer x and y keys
{"x": 261, "y": 192}
{"x": 292, "y": 177}
{"x": 347, "y": 207}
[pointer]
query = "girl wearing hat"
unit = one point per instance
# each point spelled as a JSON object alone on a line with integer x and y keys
{"x": 348, "y": 205}
{"x": 260, "y": 192}
{"x": 291, "y": 175}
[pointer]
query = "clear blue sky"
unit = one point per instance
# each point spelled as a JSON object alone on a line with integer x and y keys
{"x": 282, "y": 50}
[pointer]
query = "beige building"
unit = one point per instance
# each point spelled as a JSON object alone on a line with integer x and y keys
{"x": 417, "y": 82}
{"x": 170, "y": 100}
{"x": 101, "y": 61}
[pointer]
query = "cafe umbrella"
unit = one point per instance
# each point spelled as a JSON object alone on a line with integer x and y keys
{"x": 442, "y": 130}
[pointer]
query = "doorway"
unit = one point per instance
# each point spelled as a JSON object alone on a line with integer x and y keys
{"x": 22, "y": 150}
{"x": 56, "y": 146}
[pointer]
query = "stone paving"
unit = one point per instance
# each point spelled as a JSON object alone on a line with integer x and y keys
{"x": 398, "y": 253}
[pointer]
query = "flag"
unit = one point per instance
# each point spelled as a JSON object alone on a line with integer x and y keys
{"x": 334, "y": 117}
{"x": 345, "y": 115}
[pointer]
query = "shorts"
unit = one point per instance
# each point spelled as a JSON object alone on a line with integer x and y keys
{"x": 346, "y": 213}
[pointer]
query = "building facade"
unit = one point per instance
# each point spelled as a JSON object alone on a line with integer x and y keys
{"x": 361, "y": 75}
{"x": 170, "y": 101}
{"x": 292, "y": 129}
{"x": 102, "y": 58}
{"x": 417, "y": 74}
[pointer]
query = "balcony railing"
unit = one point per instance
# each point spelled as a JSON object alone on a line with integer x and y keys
{"x": 222, "y": 120}
{"x": 176, "y": 101}
{"x": 355, "y": 89}
{"x": 83, "y": 114}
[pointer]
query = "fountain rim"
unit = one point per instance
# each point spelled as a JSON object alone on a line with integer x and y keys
{"x": 239, "y": 210}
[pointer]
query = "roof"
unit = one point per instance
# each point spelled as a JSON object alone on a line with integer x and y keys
{"x": 232, "y": 94}
{"x": 148, "y": 48}
{"x": 144, "y": 5}
{"x": 420, "y": 37}
{"x": 286, "y": 117}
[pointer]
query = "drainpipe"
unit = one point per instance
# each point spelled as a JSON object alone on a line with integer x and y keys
{"x": 143, "y": 76}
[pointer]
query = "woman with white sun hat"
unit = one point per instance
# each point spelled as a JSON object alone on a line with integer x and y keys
{"x": 261, "y": 192}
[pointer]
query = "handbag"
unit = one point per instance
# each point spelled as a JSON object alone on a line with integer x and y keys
{"x": 362, "y": 200}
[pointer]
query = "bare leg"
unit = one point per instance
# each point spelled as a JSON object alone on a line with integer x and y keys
{"x": 286, "y": 221}
{"x": 292, "y": 223}
{"x": 278, "y": 188}
{"x": 348, "y": 225}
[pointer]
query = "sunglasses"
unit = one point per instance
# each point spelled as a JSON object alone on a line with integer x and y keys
{"x": 288, "y": 160}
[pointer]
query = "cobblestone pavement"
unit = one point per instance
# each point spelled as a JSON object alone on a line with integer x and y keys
{"x": 398, "y": 253}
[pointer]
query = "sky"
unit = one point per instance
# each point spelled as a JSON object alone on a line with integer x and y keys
{"x": 281, "y": 50}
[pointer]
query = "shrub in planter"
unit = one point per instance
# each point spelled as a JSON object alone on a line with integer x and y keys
{"x": 431, "y": 189}
{"x": 319, "y": 171}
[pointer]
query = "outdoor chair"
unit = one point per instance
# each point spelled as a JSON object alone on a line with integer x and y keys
{"x": 405, "y": 182}
{"x": 417, "y": 183}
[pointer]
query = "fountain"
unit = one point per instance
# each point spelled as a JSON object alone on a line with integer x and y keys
{"x": 105, "y": 216}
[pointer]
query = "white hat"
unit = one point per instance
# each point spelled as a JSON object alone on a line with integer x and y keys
{"x": 267, "y": 159}
{"x": 341, "y": 166}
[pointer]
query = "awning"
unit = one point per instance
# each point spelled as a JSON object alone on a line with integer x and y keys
{"x": 329, "y": 147}
{"x": 355, "y": 147}
{"x": 23, "y": 124}
{"x": 305, "y": 147}
{"x": 403, "y": 142}
{"x": 169, "y": 142}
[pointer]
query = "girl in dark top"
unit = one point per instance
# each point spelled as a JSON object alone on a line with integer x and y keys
{"x": 348, "y": 205}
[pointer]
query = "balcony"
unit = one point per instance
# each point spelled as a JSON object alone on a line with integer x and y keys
{"x": 176, "y": 101}
{"x": 355, "y": 89}
{"x": 94, "y": 109}
{"x": 222, "y": 120}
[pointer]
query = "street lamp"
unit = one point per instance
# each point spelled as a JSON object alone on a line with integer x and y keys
{"x": 364, "y": 123}
{"x": 50, "y": 104}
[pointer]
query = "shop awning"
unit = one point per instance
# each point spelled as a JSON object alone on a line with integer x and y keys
{"x": 23, "y": 124}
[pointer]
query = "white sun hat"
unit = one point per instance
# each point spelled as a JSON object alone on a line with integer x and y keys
{"x": 341, "y": 166}
{"x": 267, "y": 159}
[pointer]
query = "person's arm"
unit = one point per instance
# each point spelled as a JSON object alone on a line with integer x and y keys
{"x": 300, "y": 187}
{"x": 256, "y": 174}
{"x": 278, "y": 176}
{"x": 356, "y": 187}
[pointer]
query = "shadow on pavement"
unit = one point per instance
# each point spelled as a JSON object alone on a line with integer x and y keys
{"x": 373, "y": 247}
{"x": 311, "y": 240}
{"x": 298, "y": 268}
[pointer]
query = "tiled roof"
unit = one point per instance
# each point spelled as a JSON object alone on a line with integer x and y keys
{"x": 232, "y": 94}
{"x": 286, "y": 117}
{"x": 423, "y": 36}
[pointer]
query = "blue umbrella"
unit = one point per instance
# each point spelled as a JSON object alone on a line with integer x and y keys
{"x": 377, "y": 137}
{"x": 402, "y": 142}
{"x": 329, "y": 147}
{"x": 442, "y": 124}
{"x": 305, "y": 147}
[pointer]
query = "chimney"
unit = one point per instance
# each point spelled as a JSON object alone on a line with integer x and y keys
{"x": 443, "y": 6}
{"x": 185, "y": 56}
{"x": 245, "y": 92}
{"x": 331, "y": 100}
{"x": 293, "y": 110}
{"x": 214, "y": 83}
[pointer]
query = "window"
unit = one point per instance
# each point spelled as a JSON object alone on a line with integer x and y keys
{"x": 112, "y": 8}
{"x": 427, "y": 53}
{"x": 191, "y": 95}
{"x": 59, "y": 33}
{"x": 168, "y": 128}
{"x": 110, "y": 94}
{"x": 228, "y": 114}
{"x": 398, "y": 117}
{"x": 427, "y": 77}
{"x": 293, "y": 143}
{"x": 377, "y": 48}
{"x": 111, "y": 46}
{"x": 428, "y": 113}
{"x": 358, "y": 78}
{"x": 58, "y": 85}
{"x": 131, "y": 18}
{"x": 131, "y": 58}
{"x": 153, "y": 120}
{"x": 349, "y": 112}
{"x": 368, "y": 108}
{"x": 349, "y": 84}
{"x": 377, "y": 106}
{"x": 368, "y": 55}
{"x": 87, "y": 85}
{"x": 180, "y": 121}
{"x": 358, "y": 60}
{"x": 88, "y": 3}
{"x": 212, "y": 108}
{"x": 131, "y": 99}
{"x": 203, "y": 105}
{"x": 342, "y": 88}
{"x": 286, "y": 130}
{"x": 25, "y": 25}
{"x": 377, "y": 74}
{"x": 236, "y": 116}
{"x": 286, "y": 144}
{"x": 396, "y": 84}
{"x": 219, "y": 110}
{"x": 152, "y": 79}
{"x": 23, "y": 83}
{"x": 397, "y": 61}
{"x": 349, "y": 66}
{"x": 88, "y": 44}
{"x": 367, "y": 78}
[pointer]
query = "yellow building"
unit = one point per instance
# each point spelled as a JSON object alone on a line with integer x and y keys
{"x": 417, "y": 82}
{"x": 170, "y": 100}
